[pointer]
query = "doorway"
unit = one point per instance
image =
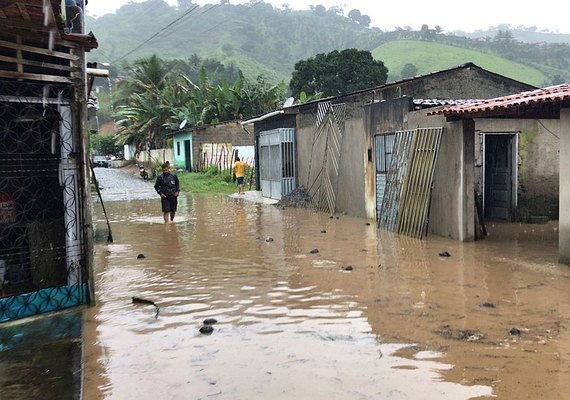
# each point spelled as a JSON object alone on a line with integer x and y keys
{"x": 277, "y": 162}
{"x": 188, "y": 155}
{"x": 500, "y": 176}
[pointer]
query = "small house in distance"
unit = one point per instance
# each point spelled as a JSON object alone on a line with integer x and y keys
{"x": 196, "y": 148}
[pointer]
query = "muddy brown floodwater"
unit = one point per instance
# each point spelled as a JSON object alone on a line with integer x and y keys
{"x": 490, "y": 321}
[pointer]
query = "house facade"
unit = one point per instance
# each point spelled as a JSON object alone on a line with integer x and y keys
{"x": 46, "y": 235}
{"x": 529, "y": 142}
{"x": 344, "y": 144}
{"x": 196, "y": 148}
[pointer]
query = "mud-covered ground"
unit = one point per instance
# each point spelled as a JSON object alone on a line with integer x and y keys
{"x": 310, "y": 307}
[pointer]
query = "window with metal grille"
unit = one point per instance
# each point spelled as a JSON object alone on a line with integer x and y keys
{"x": 384, "y": 147}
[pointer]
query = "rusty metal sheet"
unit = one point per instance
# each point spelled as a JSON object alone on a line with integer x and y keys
{"x": 416, "y": 194}
{"x": 394, "y": 181}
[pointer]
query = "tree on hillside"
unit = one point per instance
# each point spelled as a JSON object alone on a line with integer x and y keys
{"x": 365, "y": 20}
{"x": 337, "y": 73}
{"x": 320, "y": 10}
{"x": 409, "y": 71}
{"x": 362, "y": 19}
{"x": 355, "y": 15}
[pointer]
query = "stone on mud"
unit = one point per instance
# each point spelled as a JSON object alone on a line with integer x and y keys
{"x": 206, "y": 330}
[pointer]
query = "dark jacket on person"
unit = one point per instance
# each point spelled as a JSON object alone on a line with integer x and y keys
{"x": 167, "y": 184}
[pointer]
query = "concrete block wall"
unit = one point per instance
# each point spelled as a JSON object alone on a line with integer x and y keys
{"x": 232, "y": 133}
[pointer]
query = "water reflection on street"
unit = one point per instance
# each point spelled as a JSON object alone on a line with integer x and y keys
{"x": 369, "y": 316}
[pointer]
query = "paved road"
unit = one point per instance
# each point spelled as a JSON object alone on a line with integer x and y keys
{"x": 121, "y": 184}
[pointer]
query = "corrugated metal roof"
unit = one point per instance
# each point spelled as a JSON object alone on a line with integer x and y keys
{"x": 551, "y": 94}
{"x": 425, "y": 103}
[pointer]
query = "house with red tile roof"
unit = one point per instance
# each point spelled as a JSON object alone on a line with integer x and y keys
{"x": 525, "y": 156}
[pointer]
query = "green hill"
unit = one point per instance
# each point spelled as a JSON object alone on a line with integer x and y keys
{"x": 261, "y": 39}
{"x": 431, "y": 56}
{"x": 257, "y": 37}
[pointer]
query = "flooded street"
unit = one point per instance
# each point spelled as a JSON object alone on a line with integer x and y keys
{"x": 369, "y": 316}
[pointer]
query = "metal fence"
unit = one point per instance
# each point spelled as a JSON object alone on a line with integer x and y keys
{"x": 42, "y": 255}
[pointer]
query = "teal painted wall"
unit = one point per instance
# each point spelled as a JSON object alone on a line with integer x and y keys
{"x": 179, "y": 156}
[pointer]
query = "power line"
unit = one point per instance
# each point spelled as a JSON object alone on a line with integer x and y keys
{"x": 172, "y": 26}
{"x": 184, "y": 15}
{"x": 204, "y": 11}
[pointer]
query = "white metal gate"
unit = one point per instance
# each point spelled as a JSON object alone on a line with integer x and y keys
{"x": 277, "y": 168}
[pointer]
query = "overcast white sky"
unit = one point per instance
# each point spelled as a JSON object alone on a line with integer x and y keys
{"x": 450, "y": 15}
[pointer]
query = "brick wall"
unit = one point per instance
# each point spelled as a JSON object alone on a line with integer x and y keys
{"x": 231, "y": 133}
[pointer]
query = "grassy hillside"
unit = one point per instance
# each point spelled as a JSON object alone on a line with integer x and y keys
{"x": 261, "y": 39}
{"x": 430, "y": 56}
{"x": 252, "y": 35}
{"x": 252, "y": 69}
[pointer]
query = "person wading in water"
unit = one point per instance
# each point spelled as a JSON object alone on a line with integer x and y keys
{"x": 168, "y": 187}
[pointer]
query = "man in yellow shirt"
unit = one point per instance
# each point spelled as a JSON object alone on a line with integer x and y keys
{"x": 239, "y": 171}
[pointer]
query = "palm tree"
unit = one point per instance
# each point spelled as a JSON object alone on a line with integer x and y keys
{"x": 140, "y": 110}
{"x": 154, "y": 99}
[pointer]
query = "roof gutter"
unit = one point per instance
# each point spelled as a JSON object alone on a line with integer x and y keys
{"x": 268, "y": 115}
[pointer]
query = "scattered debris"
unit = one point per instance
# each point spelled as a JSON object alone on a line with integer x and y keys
{"x": 269, "y": 239}
{"x": 464, "y": 335}
{"x": 206, "y": 330}
{"x": 323, "y": 231}
{"x": 444, "y": 253}
{"x": 367, "y": 224}
{"x": 314, "y": 251}
{"x": 138, "y": 300}
{"x": 141, "y": 255}
{"x": 487, "y": 304}
{"x": 298, "y": 198}
{"x": 348, "y": 268}
{"x": 515, "y": 332}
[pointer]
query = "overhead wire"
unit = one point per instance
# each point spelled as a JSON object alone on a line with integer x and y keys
{"x": 184, "y": 15}
{"x": 171, "y": 27}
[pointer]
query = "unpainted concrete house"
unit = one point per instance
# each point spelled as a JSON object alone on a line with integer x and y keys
{"x": 527, "y": 139}
{"x": 376, "y": 154}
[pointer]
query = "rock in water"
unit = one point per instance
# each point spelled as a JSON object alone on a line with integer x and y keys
{"x": 210, "y": 321}
{"x": 206, "y": 330}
